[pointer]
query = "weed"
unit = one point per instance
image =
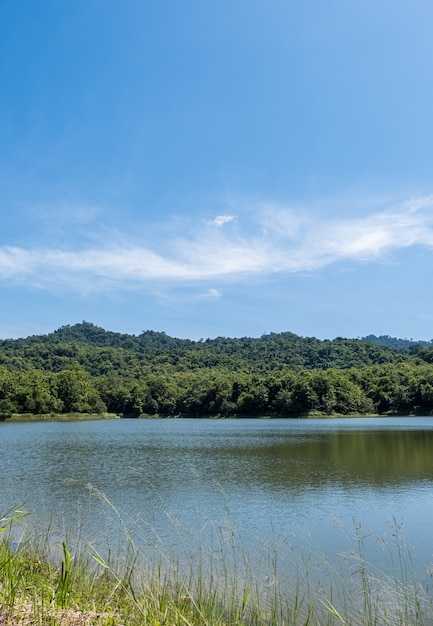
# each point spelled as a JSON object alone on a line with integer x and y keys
{"x": 88, "y": 588}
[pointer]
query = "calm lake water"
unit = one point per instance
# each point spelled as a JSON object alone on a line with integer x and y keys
{"x": 269, "y": 489}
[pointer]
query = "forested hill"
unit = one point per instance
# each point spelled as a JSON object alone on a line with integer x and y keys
{"x": 99, "y": 351}
{"x": 406, "y": 345}
{"x": 84, "y": 368}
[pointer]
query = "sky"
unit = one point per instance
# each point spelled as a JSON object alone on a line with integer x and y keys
{"x": 208, "y": 169}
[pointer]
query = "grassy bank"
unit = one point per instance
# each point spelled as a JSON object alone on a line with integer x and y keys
{"x": 76, "y": 417}
{"x": 56, "y": 417}
{"x": 44, "y": 584}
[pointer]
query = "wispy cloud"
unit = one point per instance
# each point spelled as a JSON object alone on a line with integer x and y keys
{"x": 210, "y": 294}
{"x": 223, "y": 219}
{"x": 276, "y": 240}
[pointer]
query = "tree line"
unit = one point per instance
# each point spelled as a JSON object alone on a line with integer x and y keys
{"x": 86, "y": 369}
{"x": 402, "y": 388}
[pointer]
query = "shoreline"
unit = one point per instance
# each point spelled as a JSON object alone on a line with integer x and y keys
{"x": 82, "y": 417}
{"x": 57, "y": 417}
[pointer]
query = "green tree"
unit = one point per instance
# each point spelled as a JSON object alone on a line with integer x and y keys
{"x": 77, "y": 393}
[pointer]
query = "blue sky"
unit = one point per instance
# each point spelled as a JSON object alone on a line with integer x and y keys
{"x": 217, "y": 168}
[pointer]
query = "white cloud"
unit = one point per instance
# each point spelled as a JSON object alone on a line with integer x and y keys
{"x": 420, "y": 202}
{"x": 276, "y": 241}
{"x": 223, "y": 219}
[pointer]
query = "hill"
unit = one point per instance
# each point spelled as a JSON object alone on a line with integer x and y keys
{"x": 85, "y": 368}
{"x": 98, "y": 350}
{"x": 405, "y": 345}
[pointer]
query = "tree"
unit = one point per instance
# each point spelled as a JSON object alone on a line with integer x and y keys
{"x": 77, "y": 393}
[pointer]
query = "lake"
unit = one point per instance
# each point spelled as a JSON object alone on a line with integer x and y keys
{"x": 279, "y": 492}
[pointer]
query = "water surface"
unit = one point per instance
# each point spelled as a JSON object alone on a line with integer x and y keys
{"x": 264, "y": 487}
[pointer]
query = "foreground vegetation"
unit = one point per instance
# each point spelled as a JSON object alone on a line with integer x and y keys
{"x": 83, "y": 589}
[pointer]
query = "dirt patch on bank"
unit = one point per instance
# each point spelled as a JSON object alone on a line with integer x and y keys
{"x": 25, "y": 616}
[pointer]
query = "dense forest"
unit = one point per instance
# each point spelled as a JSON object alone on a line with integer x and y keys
{"x": 86, "y": 369}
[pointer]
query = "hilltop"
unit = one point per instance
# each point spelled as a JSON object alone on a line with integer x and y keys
{"x": 95, "y": 349}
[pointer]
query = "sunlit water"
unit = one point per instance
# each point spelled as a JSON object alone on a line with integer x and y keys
{"x": 216, "y": 490}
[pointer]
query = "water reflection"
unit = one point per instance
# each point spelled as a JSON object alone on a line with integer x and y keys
{"x": 352, "y": 459}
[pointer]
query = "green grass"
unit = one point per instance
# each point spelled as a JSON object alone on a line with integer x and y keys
{"x": 57, "y": 417}
{"x": 43, "y": 584}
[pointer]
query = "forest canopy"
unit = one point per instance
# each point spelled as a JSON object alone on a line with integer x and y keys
{"x": 84, "y": 368}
